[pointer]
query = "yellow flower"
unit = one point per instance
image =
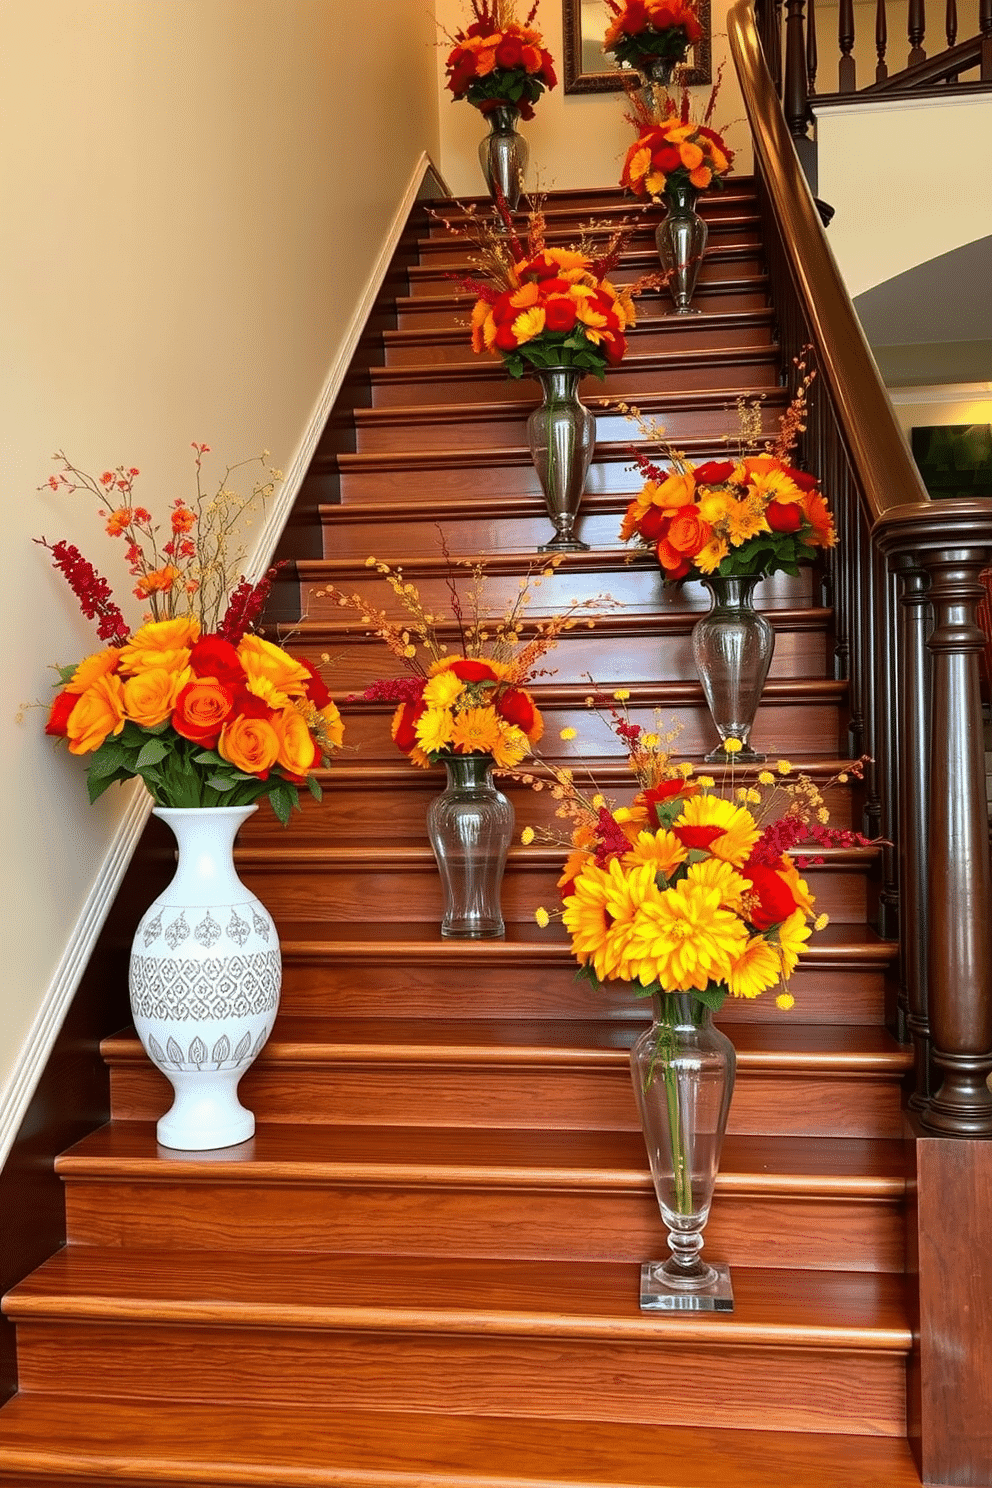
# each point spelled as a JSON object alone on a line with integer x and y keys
{"x": 745, "y": 519}
{"x": 756, "y": 969}
{"x": 567, "y": 733}
{"x": 434, "y": 730}
{"x": 733, "y": 746}
{"x": 661, "y": 849}
{"x": 709, "y": 557}
{"x": 600, "y": 915}
{"x": 715, "y": 874}
{"x": 821, "y": 922}
{"x": 622, "y": 694}
{"x": 88, "y": 670}
{"x": 739, "y": 829}
{"x": 510, "y": 746}
{"x": 98, "y": 714}
{"x": 161, "y": 643}
{"x": 442, "y": 690}
{"x": 528, "y": 324}
{"x": 272, "y": 673}
{"x": 766, "y": 777}
{"x": 684, "y": 939}
{"x": 332, "y": 728}
{"x": 785, "y": 1001}
{"x": 784, "y": 767}
{"x": 476, "y": 731}
{"x": 527, "y": 836}
{"x": 543, "y": 918}
{"x": 792, "y": 935}
{"x": 150, "y": 695}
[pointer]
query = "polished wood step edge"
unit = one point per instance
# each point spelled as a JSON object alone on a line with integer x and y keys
{"x": 728, "y": 320}
{"x": 623, "y": 624}
{"x": 492, "y": 370}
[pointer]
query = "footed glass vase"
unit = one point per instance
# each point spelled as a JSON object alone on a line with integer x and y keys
{"x": 683, "y": 1073}
{"x": 503, "y": 155}
{"x": 658, "y": 73}
{"x": 732, "y": 647}
{"x": 681, "y": 240}
{"x": 561, "y": 434}
{"x": 470, "y": 826}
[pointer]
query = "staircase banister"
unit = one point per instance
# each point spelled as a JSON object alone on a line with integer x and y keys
{"x": 877, "y": 448}
{"x": 948, "y": 63}
{"x": 927, "y": 525}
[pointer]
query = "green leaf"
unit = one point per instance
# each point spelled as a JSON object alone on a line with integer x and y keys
{"x": 66, "y": 674}
{"x": 110, "y": 758}
{"x": 283, "y": 798}
{"x": 97, "y": 784}
{"x": 152, "y": 752}
{"x": 207, "y": 757}
{"x": 712, "y": 996}
{"x": 221, "y": 783}
{"x": 313, "y": 785}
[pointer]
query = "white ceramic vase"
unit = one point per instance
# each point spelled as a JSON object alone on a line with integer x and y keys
{"x": 204, "y": 981}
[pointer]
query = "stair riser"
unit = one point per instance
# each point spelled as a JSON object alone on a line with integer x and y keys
{"x": 441, "y": 305}
{"x": 781, "y": 727}
{"x": 504, "y": 1096}
{"x": 656, "y": 333}
{"x": 488, "y": 383}
{"x": 737, "y": 229}
{"x": 612, "y": 656}
{"x": 651, "y": 1382}
{"x": 504, "y": 426}
{"x": 314, "y": 986}
{"x": 474, "y": 1221}
{"x": 349, "y": 890}
{"x": 728, "y": 261}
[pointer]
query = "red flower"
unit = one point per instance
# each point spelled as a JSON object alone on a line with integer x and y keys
{"x": 783, "y": 516}
{"x": 468, "y": 669}
{"x": 202, "y": 709}
{"x": 559, "y": 315}
{"x": 212, "y": 656}
{"x": 615, "y": 347}
{"x": 635, "y": 18}
{"x": 801, "y": 478}
{"x": 509, "y": 53}
{"x": 317, "y": 691}
{"x": 666, "y": 159}
{"x": 676, "y": 565}
{"x": 404, "y": 724}
{"x": 663, "y": 792}
{"x": 517, "y": 706}
{"x": 504, "y": 338}
{"x": 775, "y": 900}
{"x": 698, "y": 837}
{"x": 653, "y": 523}
{"x": 548, "y": 69}
{"x": 58, "y": 715}
{"x": 713, "y": 472}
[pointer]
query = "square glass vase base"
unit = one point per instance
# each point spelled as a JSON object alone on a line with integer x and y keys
{"x": 656, "y": 1296}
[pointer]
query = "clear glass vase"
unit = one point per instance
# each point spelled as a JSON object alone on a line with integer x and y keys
{"x": 732, "y": 647}
{"x": 470, "y": 827}
{"x": 658, "y": 74}
{"x": 683, "y": 1073}
{"x": 561, "y": 434}
{"x": 681, "y": 240}
{"x": 503, "y": 155}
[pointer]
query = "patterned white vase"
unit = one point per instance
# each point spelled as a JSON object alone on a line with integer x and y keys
{"x": 204, "y": 981}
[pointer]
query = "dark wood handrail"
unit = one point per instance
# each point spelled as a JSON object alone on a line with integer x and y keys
{"x": 878, "y": 451}
{"x": 946, "y": 64}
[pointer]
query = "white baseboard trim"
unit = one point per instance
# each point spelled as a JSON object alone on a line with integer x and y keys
{"x": 16, "y": 1095}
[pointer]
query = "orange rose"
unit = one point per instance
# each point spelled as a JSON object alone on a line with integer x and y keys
{"x": 297, "y": 750}
{"x": 333, "y": 725}
{"x": 273, "y": 675}
{"x": 202, "y": 708}
{"x": 249, "y": 744}
{"x": 161, "y": 643}
{"x": 92, "y": 668}
{"x": 98, "y": 714}
{"x": 687, "y": 532}
{"x": 150, "y": 696}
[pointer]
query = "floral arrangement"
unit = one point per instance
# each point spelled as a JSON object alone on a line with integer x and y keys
{"x": 690, "y": 888}
{"x": 497, "y": 62}
{"x": 756, "y": 514}
{"x": 474, "y": 700}
{"x": 642, "y": 32}
{"x": 547, "y": 307}
{"x": 207, "y": 712}
{"x": 671, "y": 150}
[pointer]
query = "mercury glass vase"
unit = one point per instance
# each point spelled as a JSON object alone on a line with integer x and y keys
{"x": 470, "y": 827}
{"x": 503, "y": 155}
{"x": 732, "y": 647}
{"x": 561, "y": 434}
{"x": 683, "y": 1073}
{"x": 681, "y": 240}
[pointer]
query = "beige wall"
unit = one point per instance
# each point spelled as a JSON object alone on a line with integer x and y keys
{"x": 909, "y": 180}
{"x": 950, "y": 403}
{"x": 575, "y": 140}
{"x": 194, "y": 196}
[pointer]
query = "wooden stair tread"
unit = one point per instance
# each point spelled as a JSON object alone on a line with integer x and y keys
{"x": 856, "y": 1310}
{"x": 707, "y": 320}
{"x": 417, "y": 851}
{"x": 568, "y": 1042}
{"x": 328, "y": 630}
{"x": 868, "y": 1168}
{"x": 489, "y": 369}
{"x": 264, "y": 1446}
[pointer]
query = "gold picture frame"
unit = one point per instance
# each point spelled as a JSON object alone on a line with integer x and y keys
{"x": 586, "y": 68}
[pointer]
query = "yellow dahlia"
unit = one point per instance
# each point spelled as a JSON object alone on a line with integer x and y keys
{"x": 757, "y": 968}
{"x": 746, "y": 519}
{"x": 792, "y": 935}
{"x": 713, "y": 873}
{"x": 661, "y": 849}
{"x": 510, "y": 746}
{"x": 442, "y": 690}
{"x": 600, "y": 915}
{"x": 739, "y": 833}
{"x": 434, "y": 730}
{"x": 475, "y": 731}
{"x": 684, "y": 939}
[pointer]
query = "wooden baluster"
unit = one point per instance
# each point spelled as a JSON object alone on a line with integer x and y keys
{"x": 881, "y": 41}
{"x": 960, "y": 962}
{"x": 917, "y": 31}
{"x": 845, "y": 40}
{"x": 985, "y": 27}
{"x": 794, "y": 98}
{"x": 951, "y": 31}
{"x": 811, "y": 58}
{"x": 769, "y": 17}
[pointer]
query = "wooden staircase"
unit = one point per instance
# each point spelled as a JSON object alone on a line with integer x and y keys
{"x": 423, "y": 1269}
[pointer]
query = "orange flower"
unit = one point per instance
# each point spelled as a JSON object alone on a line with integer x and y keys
{"x": 202, "y": 708}
{"x": 119, "y": 520}
{"x": 249, "y": 744}
{"x": 161, "y": 643}
{"x": 297, "y": 750}
{"x": 273, "y": 675}
{"x": 150, "y": 695}
{"x": 98, "y": 714}
{"x": 687, "y": 532}
{"x": 98, "y": 665}
{"x": 818, "y": 514}
{"x": 156, "y": 581}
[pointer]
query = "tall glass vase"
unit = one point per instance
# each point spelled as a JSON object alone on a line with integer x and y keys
{"x": 732, "y": 647}
{"x": 470, "y": 827}
{"x": 561, "y": 434}
{"x": 681, "y": 240}
{"x": 658, "y": 74}
{"x": 683, "y": 1073}
{"x": 204, "y": 978}
{"x": 503, "y": 155}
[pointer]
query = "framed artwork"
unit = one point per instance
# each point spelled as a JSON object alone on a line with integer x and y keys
{"x": 588, "y": 70}
{"x": 954, "y": 459}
